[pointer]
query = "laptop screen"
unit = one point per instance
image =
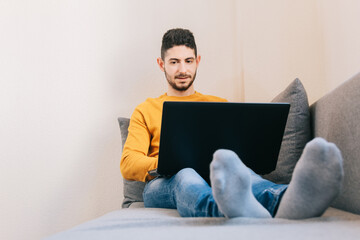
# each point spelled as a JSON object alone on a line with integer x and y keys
{"x": 192, "y": 131}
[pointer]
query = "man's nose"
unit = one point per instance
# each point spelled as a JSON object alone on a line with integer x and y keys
{"x": 182, "y": 68}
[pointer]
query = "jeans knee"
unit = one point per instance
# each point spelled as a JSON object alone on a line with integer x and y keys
{"x": 185, "y": 172}
{"x": 188, "y": 175}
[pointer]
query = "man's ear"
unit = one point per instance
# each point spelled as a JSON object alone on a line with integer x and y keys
{"x": 161, "y": 63}
{"x": 198, "y": 60}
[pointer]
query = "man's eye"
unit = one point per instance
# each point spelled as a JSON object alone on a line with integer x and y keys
{"x": 172, "y": 62}
{"x": 189, "y": 61}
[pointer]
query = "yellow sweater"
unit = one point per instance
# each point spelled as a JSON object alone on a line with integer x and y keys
{"x": 141, "y": 149}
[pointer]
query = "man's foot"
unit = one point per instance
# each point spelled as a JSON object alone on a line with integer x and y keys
{"x": 315, "y": 183}
{"x": 231, "y": 187}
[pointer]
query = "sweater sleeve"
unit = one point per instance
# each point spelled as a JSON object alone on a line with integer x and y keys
{"x": 135, "y": 162}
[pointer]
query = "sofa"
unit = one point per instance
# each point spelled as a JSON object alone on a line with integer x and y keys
{"x": 334, "y": 117}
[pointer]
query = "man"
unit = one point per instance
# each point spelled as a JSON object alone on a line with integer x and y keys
{"x": 236, "y": 190}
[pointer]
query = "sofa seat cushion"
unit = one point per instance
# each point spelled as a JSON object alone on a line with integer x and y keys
{"x": 158, "y": 223}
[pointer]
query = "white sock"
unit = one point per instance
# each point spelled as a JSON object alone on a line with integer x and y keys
{"x": 316, "y": 181}
{"x": 231, "y": 187}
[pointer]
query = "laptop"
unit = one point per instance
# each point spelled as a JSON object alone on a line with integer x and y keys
{"x": 192, "y": 131}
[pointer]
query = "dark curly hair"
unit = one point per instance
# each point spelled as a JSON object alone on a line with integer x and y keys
{"x": 177, "y": 37}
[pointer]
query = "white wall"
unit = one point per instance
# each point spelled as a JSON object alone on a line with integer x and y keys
{"x": 68, "y": 69}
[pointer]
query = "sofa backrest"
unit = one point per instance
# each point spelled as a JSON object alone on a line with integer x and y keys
{"x": 336, "y": 118}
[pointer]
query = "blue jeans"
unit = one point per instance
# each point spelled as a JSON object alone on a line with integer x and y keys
{"x": 192, "y": 196}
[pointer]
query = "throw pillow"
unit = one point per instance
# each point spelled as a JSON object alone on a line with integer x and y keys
{"x": 132, "y": 190}
{"x": 297, "y": 132}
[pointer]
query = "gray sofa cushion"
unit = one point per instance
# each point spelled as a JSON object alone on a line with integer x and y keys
{"x": 134, "y": 224}
{"x": 336, "y": 117}
{"x": 124, "y": 125}
{"x": 132, "y": 189}
{"x": 297, "y": 132}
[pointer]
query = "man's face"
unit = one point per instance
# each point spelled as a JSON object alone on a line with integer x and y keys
{"x": 179, "y": 66}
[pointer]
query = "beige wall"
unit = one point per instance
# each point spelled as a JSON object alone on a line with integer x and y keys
{"x": 69, "y": 68}
{"x": 315, "y": 41}
{"x": 340, "y": 39}
{"x": 280, "y": 42}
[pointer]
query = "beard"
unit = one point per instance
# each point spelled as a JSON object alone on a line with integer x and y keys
{"x": 181, "y": 88}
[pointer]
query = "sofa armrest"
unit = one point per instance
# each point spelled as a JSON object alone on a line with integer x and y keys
{"x": 336, "y": 117}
